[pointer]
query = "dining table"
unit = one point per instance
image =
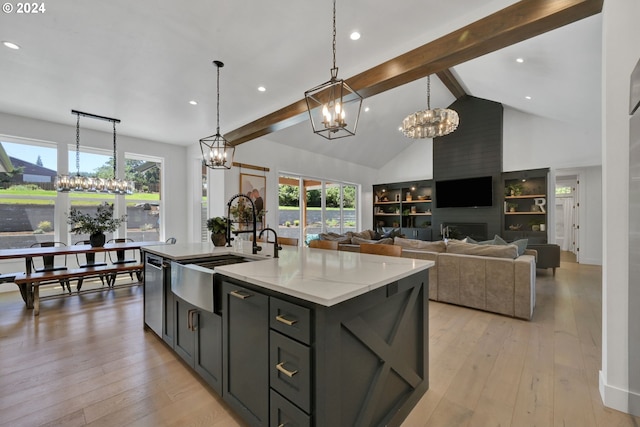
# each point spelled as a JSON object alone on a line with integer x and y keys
{"x": 28, "y": 254}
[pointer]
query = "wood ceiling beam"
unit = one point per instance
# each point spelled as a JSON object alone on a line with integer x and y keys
{"x": 522, "y": 20}
{"x": 450, "y": 81}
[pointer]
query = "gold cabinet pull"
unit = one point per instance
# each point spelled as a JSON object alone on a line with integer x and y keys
{"x": 282, "y": 425}
{"x": 240, "y": 294}
{"x": 282, "y": 319}
{"x": 280, "y": 367}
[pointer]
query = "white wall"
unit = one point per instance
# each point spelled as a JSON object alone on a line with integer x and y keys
{"x": 531, "y": 142}
{"x": 621, "y": 51}
{"x": 413, "y": 162}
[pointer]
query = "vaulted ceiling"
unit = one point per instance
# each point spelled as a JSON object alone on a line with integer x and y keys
{"x": 143, "y": 61}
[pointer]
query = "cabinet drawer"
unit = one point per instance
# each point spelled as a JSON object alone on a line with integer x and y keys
{"x": 290, "y": 369}
{"x": 290, "y": 319}
{"x": 284, "y": 413}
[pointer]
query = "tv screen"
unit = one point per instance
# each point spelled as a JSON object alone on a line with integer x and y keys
{"x": 464, "y": 193}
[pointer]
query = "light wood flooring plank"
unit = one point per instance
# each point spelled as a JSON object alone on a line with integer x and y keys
{"x": 86, "y": 360}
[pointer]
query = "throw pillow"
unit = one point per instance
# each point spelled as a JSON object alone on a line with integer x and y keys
{"x": 521, "y": 244}
{"x": 483, "y": 242}
{"x": 438, "y": 246}
{"x": 499, "y": 240}
{"x": 394, "y": 232}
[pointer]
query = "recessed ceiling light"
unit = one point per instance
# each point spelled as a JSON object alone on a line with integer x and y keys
{"x": 355, "y": 35}
{"x": 366, "y": 109}
{"x": 261, "y": 88}
{"x": 192, "y": 102}
{"x": 527, "y": 97}
{"x": 520, "y": 60}
{"x": 11, "y": 45}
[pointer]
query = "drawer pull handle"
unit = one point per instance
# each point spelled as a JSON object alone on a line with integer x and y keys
{"x": 240, "y": 294}
{"x": 282, "y": 319}
{"x": 282, "y": 425}
{"x": 280, "y": 367}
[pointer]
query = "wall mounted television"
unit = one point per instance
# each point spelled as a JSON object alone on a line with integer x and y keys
{"x": 465, "y": 193}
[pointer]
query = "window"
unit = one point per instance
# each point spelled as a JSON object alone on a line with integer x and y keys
{"x": 319, "y": 205}
{"x": 30, "y": 205}
{"x": 144, "y": 207}
{"x": 27, "y": 194}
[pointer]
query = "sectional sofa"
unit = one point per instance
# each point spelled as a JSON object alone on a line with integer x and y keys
{"x": 494, "y": 276}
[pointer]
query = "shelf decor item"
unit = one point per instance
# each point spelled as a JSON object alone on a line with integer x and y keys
{"x": 334, "y": 107}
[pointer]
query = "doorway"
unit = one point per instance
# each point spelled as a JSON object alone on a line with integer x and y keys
{"x": 566, "y": 223}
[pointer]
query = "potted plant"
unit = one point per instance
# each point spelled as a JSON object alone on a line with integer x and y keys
{"x": 95, "y": 225}
{"x": 218, "y": 228}
{"x": 512, "y": 207}
{"x": 514, "y": 189}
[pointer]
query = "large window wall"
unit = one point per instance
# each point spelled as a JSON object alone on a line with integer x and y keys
{"x": 309, "y": 206}
{"x": 31, "y": 211}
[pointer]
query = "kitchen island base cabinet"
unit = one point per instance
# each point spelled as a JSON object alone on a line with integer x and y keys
{"x": 246, "y": 352}
{"x": 197, "y": 338}
{"x": 362, "y": 362}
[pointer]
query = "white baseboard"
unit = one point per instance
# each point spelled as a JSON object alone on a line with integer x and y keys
{"x": 619, "y": 399}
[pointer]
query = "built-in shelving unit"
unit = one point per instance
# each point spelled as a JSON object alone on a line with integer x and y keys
{"x": 525, "y": 205}
{"x": 406, "y": 206}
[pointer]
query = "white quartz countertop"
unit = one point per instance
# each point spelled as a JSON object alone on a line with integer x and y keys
{"x": 321, "y": 276}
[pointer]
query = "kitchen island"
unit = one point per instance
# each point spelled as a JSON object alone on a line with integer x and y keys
{"x": 312, "y": 338}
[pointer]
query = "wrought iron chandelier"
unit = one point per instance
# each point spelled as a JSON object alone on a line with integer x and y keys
{"x": 430, "y": 123}
{"x": 334, "y": 107}
{"x": 66, "y": 183}
{"x": 217, "y": 152}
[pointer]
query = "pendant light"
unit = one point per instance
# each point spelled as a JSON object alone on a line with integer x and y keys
{"x": 66, "y": 183}
{"x": 430, "y": 123}
{"x": 334, "y": 107}
{"x": 217, "y": 152}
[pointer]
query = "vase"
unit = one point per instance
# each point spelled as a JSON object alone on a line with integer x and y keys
{"x": 218, "y": 239}
{"x": 97, "y": 240}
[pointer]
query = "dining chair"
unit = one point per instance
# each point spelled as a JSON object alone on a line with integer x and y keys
{"x": 89, "y": 261}
{"x": 121, "y": 257}
{"x": 380, "y": 249}
{"x": 171, "y": 241}
{"x": 324, "y": 244}
{"x": 48, "y": 262}
{"x": 289, "y": 241}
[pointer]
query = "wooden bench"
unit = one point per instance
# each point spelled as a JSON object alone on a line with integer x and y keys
{"x": 32, "y": 282}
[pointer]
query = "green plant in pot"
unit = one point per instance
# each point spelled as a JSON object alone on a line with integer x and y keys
{"x": 95, "y": 225}
{"x": 218, "y": 228}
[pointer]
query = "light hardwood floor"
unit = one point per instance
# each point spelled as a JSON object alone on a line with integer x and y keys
{"x": 88, "y": 361}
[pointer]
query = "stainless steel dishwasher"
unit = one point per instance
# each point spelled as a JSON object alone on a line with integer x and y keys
{"x": 154, "y": 271}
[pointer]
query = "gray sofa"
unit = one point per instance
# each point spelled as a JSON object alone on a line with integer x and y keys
{"x": 496, "y": 278}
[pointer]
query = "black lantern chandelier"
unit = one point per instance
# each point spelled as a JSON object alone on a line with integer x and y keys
{"x": 217, "y": 152}
{"x": 334, "y": 107}
{"x": 430, "y": 123}
{"x": 66, "y": 183}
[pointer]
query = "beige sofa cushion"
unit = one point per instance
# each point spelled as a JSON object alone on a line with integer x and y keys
{"x": 496, "y": 251}
{"x": 438, "y": 246}
{"x": 385, "y": 241}
{"x": 340, "y": 238}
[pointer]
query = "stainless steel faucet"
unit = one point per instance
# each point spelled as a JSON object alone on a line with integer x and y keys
{"x": 276, "y": 246}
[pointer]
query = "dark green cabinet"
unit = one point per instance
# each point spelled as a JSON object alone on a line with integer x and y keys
{"x": 246, "y": 355}
{"x": 197, "y": 340}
